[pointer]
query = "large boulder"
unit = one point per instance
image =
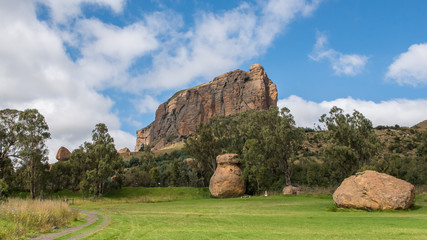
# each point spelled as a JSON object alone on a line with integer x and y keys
{"x": 372, "y": 190}
{"x": 226, "y": 181}
{"x": 63, "y": 154}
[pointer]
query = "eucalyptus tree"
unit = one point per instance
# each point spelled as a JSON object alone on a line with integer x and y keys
{"x": 32, "y": 137}
{"x": 271, "y": 148}
{"x": 9, "y": 147}
{"x": 352, "y": 142}
{"x": 102, "y": 159}
{"x": 204, "y": 147}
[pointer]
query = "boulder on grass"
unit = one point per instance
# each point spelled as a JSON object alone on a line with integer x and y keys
{"x": 371, "y": 190}
{"x": 291, "y": 190}
{"x": 226, "y": 181}
{"x": 63, "y": 154}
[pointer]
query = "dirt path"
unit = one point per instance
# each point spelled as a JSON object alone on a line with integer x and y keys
{"x": 91, "y": 218}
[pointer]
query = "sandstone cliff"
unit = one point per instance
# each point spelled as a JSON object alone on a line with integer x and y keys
{"x": 227, "y": 94}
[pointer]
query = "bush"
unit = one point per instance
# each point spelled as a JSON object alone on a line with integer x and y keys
{"x": 136, "y": 177}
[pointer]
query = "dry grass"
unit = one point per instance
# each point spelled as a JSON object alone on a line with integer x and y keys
{"x": 32, "y": 216}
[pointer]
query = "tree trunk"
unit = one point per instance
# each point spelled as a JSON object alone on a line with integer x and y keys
{"x": 32, "y": 187}
{"x": 288, "y": 177}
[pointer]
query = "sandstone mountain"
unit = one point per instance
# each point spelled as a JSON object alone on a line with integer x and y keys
{"x": 229, "y": 93}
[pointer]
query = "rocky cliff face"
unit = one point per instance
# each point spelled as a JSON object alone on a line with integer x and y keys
{"x": 229, "y": 93}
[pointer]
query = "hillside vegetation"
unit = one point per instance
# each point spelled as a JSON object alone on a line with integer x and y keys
{"x": 421, "y": 126}
{"x": 315, "y": 158}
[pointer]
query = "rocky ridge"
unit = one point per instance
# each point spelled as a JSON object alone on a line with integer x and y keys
{"x": 227, "y": 94}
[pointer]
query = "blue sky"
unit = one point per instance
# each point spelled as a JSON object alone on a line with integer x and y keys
{"x": 87, "y": 61}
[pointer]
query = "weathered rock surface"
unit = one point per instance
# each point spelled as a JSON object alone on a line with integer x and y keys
{"x": 63, "y": 154}
{"x": 226, "y": 181}
{"x": 123, "y": 150}
{"x": 290, "y": 190}
{"x": 371, "y": 190}
{"x": 229, "y": 93}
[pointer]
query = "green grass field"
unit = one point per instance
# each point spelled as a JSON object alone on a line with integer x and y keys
{"x": 273, "y": 217}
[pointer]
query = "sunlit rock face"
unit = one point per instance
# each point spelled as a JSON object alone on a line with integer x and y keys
{"x": 230, "y": 93}
{"x": 372, "y": 190}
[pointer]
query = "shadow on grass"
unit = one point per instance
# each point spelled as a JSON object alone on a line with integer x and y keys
{"x": 334, "y": 208}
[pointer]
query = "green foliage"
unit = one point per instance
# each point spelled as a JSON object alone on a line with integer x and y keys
{"x": 31, "y": 141}
{"x": 134, "y": 161}
{"x": 422, "y": 149}
{"x": 103, "y": 160}
{"x": 4, "y": 188}
{"x": 137, "y": 177}
{"x": 92, "y": 168}
{"x": 352, "y": 142}
{"x": 269, "y": 153}
{"x": 170, "y": 138}
{"x": 22, "y": 139}
{"x": 60, "y": 176}
{"x": 409, "y": 169}
{"x": 204, "y": 147}
{"x": 9, "y": 147}
{"x": 267, "y": 142}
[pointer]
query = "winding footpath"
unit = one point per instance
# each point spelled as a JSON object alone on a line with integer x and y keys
{"x": 91, "y": 218}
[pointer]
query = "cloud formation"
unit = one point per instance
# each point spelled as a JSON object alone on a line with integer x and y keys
{"x": 64, "y": 11}
{"x": 342, "y": 64}
{"x": 63, "y": 63}
{"x": 219, "y": 42}
{"x": 410, "y": 67}
{"x": 36, "y": 72}
{"x": 395, "y": 111}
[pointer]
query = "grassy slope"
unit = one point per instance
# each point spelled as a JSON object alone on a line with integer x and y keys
{"x": 422, "y": 125}
{"x": 275, "y": 217}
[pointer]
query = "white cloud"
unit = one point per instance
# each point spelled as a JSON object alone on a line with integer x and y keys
{"x": 146, "y": 104}
{"x": 63, "y": 11}
{"x": 404, "y": 112}
{"x": 342, "y": 64}
{"x": 410, "y": 67}
{"x": 36, "y": 70}
{"x": 219, "y": 42}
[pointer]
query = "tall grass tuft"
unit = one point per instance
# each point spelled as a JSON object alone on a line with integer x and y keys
{"x": 31, "y": 216}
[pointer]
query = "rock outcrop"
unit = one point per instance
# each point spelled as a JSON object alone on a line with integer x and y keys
{"x": 123, "y": 150}
{"x": 371, "y": 190}
{"x": 226, "y": 181}
{"x": 229, "y": 93}
{"x": 63, "y": 154}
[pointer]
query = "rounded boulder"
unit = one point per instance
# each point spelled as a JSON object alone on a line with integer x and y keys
{"x": 63, "y": 154}
{"x": 371, "y": 190}
{"x": 226, "y": 181}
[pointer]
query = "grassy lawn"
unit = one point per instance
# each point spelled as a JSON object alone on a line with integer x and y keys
{"x": 273, "y": 217}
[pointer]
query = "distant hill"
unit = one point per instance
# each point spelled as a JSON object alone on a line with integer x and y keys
{"x": 421, "y": 125}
